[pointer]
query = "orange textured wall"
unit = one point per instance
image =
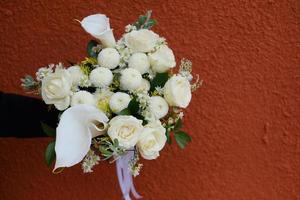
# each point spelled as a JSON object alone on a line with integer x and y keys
{"x": 244, "y": 120}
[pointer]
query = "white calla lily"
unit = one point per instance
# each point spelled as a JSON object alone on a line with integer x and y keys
{"x": 98, "y": 26}
{"x": 77, "y": 126}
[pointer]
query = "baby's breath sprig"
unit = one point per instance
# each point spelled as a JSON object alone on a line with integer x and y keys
{"x": 134, "y": 165}
{"x": 89, "y": 161}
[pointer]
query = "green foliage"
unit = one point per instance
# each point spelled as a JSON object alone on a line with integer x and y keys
{"x": 50, "y": 153}
{"x": 159, "y": 81}
{"x": 168, "y": 137}
{"x": 109, "y": 148}
{"x": 87, "y": 65}
{"x": 125, "y": 111}
{"x": 90, "y": 49}
{"x": 182, "y": 139}
{"x": 145, "y": 21}
{"x": 134, "y": 107}
{"x": 178, "y": 125}
{"x": 28, "y": 83}
{"x": 51, "y": 132}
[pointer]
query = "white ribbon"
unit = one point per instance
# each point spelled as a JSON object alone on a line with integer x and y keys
{"x": 125, "y": 177}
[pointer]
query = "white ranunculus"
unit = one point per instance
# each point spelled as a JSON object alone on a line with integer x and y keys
{"x": 152, "y": 140}
{"x": 101, "y": 77}
{"x": 142, "y": 40}
{"x": 109, "y": 58}
{"x": 162, "y": 59}
{"x": 98, "y": 26}
{"x": 56, "y": 89}
{"x": 126, "y": 129}
{"x": 158, "y": 106}
{"x": 140, "y": 62}
{"x": 82, "y": 97}
{"x": 119, "y": 101}
{"x": 74, "y": 133}
{"x": 144, "y": 87}
{"x": 76, "y": 74}
{"x": 177, "y": 91}
{"x": 130, "y": 79}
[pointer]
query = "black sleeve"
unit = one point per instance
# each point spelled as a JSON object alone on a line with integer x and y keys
{"x": 21, "y": 116}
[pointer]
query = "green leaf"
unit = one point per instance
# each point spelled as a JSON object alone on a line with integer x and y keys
{"x": 50, "y": 153}
{"x": 159, "y": 81}
{"x": 168, "y": 137}
{"x": 48, "y": 130}
{"x": 182, "y": 139}
{"x": 116, "y": 142}
{"x": 90, "y": 47}
{"x": 141, "y": 20}
{"x": 134, "y": 107}
{"x": 150, "y": 23}
{"x": 178, "y": 125}
{"x": 125, "y": 111}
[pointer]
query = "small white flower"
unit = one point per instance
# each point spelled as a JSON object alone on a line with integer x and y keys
{"x": 159, "y": 90}
{"x": 152, "y": 140}
{"x": 140, "y": 62}
{"x": 98, "y": 26}
{"x": 126, "y": 129}
{"x": 43, "y": 72}
{"x": 119, "y": 101}
{"x": 109, "y": 58}
{"x": 89, "y": 161}
{"x": 130, "y": 79}
{"x": 158, "y": 106}
{"x": 101, "y": 77}
{"x": 162, "y": 59}
{"x": 76, "y": 74}
{"x": 82, "y": 97}
{"x": 85, "y": 81}
{"x": 129, "y": 28}
{"x": 144, "y": 87}
{"x": 142, "y": 40}
{"x": 177, "y": 91}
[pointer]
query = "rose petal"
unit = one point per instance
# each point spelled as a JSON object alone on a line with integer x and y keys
{"x": 74, "y": 134}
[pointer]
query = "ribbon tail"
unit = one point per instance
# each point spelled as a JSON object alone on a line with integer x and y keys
{"x": 125, "y": 177}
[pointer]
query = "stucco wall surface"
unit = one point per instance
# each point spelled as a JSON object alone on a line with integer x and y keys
{"x": 244, "y": 120}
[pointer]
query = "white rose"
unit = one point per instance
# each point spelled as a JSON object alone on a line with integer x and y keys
{"x": 140, "y": 62}
{"x": 109, "y": 58}
{"x": 119, "y": 101}
{"x": 142, "y": 40}
{"x": 101, "y": 77}
{"x": 130, "y": 79}
{"x": 56, "y": 89}
{"x": 98, "y": 26}
{"x": 162, "y": 59}
{"x": 177, "y": 91}
{"x": 76, "y": 74}
{"x": 144, "y": 87}
{"x": 82, "y": 97}
{"x": 158, "y": 106}
{"x": 126, "y": 129}
{"x": 152, "y": 140}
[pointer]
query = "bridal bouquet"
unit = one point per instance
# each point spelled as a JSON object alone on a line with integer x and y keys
{"x": 122, "y": 102}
